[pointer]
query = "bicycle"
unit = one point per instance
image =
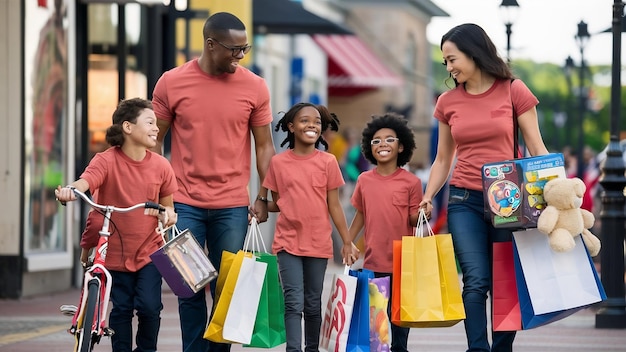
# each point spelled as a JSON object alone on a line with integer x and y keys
{"x": 89, "y": 318}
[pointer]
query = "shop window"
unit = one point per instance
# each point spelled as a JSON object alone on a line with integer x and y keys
{"x": 45, "y": 121}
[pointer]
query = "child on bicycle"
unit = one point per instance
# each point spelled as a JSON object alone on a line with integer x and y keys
{"x": 126, "y": 174}
{"x": 386, "y": 199}
{"x": 305, "y": 182}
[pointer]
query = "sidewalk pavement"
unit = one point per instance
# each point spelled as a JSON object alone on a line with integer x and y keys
{"x": 35, "y": 324}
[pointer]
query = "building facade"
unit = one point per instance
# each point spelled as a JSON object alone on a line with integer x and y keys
{"x": 65, "y": 64}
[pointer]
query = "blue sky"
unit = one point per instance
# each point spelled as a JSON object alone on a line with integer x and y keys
{"x": 544, "y": 30}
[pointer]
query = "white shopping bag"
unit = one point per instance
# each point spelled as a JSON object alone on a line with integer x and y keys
{"x": 336, "y": 319}
{"x": 241, "y": 315}
{"x": 556, "y": 280}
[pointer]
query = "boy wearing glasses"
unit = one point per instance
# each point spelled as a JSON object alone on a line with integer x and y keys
{"x": 386, "y": 199}
{"x": 210, "y": 105}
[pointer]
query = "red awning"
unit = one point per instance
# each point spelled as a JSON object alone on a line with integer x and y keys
{"x": 353, "y": 67}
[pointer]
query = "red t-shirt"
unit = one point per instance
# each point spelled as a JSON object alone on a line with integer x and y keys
{"x": 117, "y": 180}
{"x": 482, "y": 126}
{"x": 303, "y": 226}
{"x": 211, "y": 117}
{"x": 386, "y": 203}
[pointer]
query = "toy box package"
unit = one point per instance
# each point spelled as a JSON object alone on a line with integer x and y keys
{"x": 513, "y": 189}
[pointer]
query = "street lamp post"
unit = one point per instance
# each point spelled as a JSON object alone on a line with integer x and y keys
{"x": 509, "y": 9}
{"x": 567, "y": 69}
{"x": 612, "y": 312}
{"x": 582, "y": 37}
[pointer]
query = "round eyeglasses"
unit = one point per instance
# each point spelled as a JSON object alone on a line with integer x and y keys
{"x": 387, "y": 140}
{"x": 234, "y": 49}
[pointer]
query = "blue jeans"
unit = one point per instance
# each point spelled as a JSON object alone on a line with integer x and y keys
{"x": 140, "y": 291}
{"x": 303, "y": 280}
{"x": 219, "y": 230}
{"x": 399, "y": 334}
{"x": 473, "y": 235}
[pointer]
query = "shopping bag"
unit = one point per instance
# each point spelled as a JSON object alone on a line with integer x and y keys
{"x": 241, "y": 315}
{"x": 553, "y": 285}
{"x": 380, "y": 331}
{"x": 430, "y": 292}
{"x": 395, "y": 283}
{"x": 226, "y": 281}
{"x": 336, "y": 320}
{"x": 359, "y": 332}
{"x": 505, "y": 306}
{"x": 183, "y": 263}
{"x": 269, "y": 327}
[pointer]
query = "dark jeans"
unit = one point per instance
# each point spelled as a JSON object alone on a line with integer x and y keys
{"x": 303, "y": 280}
{"x": 218, "y": 230}
{"x": 140, "y": 291}
{"x": 399, "y": 334}
{"x": 473, "y": 235}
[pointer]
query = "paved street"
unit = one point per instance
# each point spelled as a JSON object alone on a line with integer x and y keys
{"x": 34, "y": 324}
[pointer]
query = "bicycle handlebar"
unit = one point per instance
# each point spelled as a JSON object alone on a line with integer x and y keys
{"x": 146, "y": 205}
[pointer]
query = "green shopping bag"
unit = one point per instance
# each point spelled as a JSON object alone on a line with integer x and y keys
{"x": 269, "y": 326}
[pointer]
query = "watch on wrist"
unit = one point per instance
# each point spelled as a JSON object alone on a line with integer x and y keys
{"x": 261, "y": 198}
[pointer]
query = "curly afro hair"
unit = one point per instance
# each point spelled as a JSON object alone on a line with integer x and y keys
{"x": 329, "y": 120}
{"x": 395, "y": 122}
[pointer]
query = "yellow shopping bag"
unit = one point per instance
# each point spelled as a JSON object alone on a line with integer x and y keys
{"x": 430, "y": 292}
{"x": 226, "y": 280}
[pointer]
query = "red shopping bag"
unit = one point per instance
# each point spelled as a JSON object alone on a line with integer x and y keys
{"x": 505, "y": 307}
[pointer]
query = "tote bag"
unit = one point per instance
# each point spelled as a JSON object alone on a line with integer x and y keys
{"x": 338, "y": 313}
{"x": 226, "y": 281}
{"x": 553, "y": 285}
{"x": 183, "y": 263}
{"x": 242, "y": 310}
{"x": 430, "y": 291}
{"x": 359, "y": 333}
{"x": 269, "y": 327}
{"x": 505, "y": 306}
{"x": 380, "y": 329}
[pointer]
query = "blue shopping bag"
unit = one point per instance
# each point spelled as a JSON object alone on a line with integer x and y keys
{"x": 359, "y": 333}
{"x": 554, "y": 285}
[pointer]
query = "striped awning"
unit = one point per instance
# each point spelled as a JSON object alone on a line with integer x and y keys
{"x": 352, "y": 66}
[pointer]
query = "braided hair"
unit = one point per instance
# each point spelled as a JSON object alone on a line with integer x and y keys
{"x": 329, "y": 120}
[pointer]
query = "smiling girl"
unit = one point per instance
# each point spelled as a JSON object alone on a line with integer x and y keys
{"x": 305, "y": 182}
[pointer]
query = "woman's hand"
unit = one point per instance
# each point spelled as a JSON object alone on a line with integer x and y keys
{"x": 427, "y": 205}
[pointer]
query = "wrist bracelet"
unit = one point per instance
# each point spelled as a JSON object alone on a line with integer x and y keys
{"x": 261, "y": 198}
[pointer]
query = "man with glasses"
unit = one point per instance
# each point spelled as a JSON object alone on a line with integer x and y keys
{"x": 210, "y": 105}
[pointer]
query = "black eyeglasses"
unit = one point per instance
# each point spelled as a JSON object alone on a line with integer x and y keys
{"x": 235, "y": 49}
{"x": 387, "y": 140}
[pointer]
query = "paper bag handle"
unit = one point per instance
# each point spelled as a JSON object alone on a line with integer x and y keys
{"x": 163, "y": 231}
{"x": 423, "y": 225}
{"x": 254, "y": 240}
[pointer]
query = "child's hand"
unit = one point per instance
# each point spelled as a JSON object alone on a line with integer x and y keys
{"x": 84, "y": 257}
{"x": 167, "y": 218}
{"x": 64, "y": 194}
{"x": 350, "y": 253}
{"x": 172, "y": 216}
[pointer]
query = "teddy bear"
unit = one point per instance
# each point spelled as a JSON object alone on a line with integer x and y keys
{"x": 563, "y": 219}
